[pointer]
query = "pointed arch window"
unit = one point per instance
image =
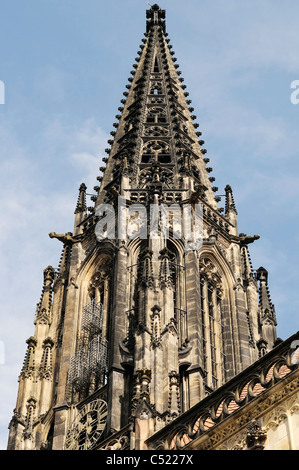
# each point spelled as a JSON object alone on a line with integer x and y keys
{"x": 211, "y": 318}
{"x": 88, "y": 365}
{"x": 156, "y": 68}
{"x": 99, "y": 292}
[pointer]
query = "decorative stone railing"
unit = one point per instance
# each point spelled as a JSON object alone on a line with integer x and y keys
{"x": 229, "y": 398}
{"x": 118, "y": 441}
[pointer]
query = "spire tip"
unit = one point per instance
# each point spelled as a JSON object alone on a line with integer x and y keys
{"x": 155, "y": 16}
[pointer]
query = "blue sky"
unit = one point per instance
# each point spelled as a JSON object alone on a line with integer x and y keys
{"x": 65, "y": 64}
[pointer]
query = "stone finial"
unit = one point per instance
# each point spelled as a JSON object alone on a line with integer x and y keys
{"x": 229, "y": 200}
{"x": 262, "y": 277}
{"x": 267, "y": 315}
{"x": 81, "y": 203}
{"x": 44, "y": 306}
{"x": 256, "y": 436}
{"x": 155, "y": 16}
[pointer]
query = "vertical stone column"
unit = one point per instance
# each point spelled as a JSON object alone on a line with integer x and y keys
{"x": 117, "y": 333}
{"x": 207, "y": 336}
{"x": 61, "y": 426}
{"x": 241, "y": 339}
{"x": 218, "y": 339}
{"x": 194, "y": 325}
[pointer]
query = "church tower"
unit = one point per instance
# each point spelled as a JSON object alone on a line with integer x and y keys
{"x": 145, "y": 315}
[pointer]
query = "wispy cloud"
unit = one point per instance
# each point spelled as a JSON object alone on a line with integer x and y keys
{"x": 28, "y": 214}
{"x": 228, "y": 51}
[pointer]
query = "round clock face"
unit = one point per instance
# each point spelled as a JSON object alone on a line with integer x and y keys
{"x": 87, "y": 427}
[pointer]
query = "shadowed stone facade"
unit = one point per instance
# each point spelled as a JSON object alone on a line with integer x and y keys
{"x": 143, "y": 325}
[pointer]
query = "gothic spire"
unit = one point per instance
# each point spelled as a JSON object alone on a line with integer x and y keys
{"x": 156, "y": 137}
{"x": 158, "y": 316}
